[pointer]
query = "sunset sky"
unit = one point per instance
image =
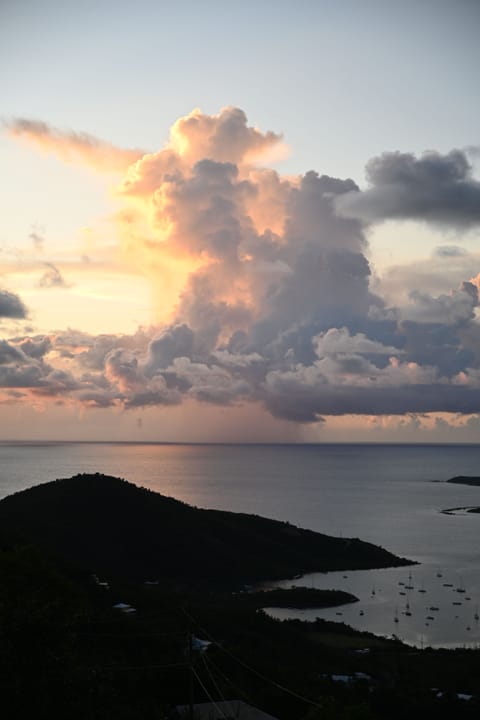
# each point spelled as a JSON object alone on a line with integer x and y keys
{"x": 253, "y": 221}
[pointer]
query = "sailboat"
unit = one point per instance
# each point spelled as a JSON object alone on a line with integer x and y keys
{"x": 461, "y": 588}
{"x": 407, "y": 609}
{"x": 409, "y": 586}
{"x": 476, "y": 616}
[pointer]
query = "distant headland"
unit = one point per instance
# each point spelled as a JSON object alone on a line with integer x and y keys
{"x": 111, "y": 527}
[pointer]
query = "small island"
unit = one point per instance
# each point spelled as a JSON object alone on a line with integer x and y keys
{"x": 463, "y": 510}
{"x": 298, "y": 598}
{"x": 465, "y": 480}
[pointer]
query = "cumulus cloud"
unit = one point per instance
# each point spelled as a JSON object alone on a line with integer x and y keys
{"x": 8, "y": 353}
{"x": 11, "y": 306}
{"x": 434, "y": 188}
{"x": 274, "y": 300}
{"x": 173, "y": 342}
{"x": 451, "y": 309}
{"x": 36, "y": 346}
{"x": 225, "y": 137}
{"x": 339, "y": 340}
{"x": 71, "y": 146}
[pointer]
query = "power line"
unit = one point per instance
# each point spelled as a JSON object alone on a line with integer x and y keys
{"x": 215, "y": 705}
{"x": 252, "y": 669}
{"x": 214, "y": 682}
{"x": 227, "y": 679}
{"x": 267, "y": 679}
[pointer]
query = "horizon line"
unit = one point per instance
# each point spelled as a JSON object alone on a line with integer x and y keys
{"x": 231, "y": 442}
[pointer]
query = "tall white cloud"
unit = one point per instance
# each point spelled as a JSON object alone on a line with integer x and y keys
{"x": 275, "y": 301}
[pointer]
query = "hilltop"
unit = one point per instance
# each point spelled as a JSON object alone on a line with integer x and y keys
{"x": 114, "y": 528}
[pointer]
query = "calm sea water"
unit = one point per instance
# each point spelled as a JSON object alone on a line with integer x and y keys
{"x": 390, "y": 495}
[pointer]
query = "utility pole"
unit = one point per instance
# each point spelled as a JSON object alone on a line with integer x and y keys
{"x": 190, "y": 684}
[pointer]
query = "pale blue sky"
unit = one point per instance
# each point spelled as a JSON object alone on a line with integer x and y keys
{"x": 343, "y": 80}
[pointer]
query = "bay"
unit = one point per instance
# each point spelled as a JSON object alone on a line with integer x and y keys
{"x": 390, "y": 495}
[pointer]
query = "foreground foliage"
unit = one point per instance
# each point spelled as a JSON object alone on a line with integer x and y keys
{"x": 66, "y": 651}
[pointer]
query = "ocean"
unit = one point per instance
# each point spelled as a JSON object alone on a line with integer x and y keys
{"x": 391, "y": 495}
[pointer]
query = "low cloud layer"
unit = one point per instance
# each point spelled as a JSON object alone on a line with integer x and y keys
{"x": 276, "y": 302}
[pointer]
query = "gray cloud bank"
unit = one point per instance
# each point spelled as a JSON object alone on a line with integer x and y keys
{"x": 282, "y": 309}
{"x": 434, "y": 188}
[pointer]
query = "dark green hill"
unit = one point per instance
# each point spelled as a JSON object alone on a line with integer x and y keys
{"x": 115, "y": 529}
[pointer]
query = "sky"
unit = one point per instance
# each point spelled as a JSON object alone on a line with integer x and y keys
{"x": 240, "y": 222}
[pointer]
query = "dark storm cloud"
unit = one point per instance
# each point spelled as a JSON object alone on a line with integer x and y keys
{"x": 434, "y": 188}
{"x": 293, "y": 400}
{"x": 437, "y": 344}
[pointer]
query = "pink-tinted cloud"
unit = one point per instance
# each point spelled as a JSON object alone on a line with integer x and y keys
{"x": 72, "y": 146}
{"x": 268, "y": 292}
